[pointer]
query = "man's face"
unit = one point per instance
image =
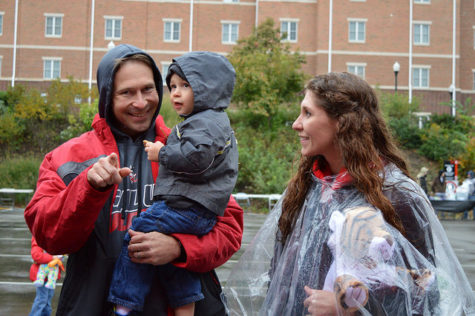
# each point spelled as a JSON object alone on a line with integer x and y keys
{"x": 135, "y": 98}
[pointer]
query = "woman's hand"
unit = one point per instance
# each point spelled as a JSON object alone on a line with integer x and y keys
{"x": 153, "y": 248}
{"x": 319, "y": 302}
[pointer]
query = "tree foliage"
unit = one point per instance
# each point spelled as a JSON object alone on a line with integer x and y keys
{"x": 35, "y": 121}
{"x": 268, "y": 73}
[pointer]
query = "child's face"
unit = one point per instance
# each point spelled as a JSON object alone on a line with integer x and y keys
{"x": 181, "y": 95}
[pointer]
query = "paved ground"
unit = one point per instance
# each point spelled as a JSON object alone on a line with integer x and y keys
{"x": 17, "y": 292}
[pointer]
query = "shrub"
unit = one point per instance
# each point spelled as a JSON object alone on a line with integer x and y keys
{"x": 265, "y": 159}
{"x": 441, "y": 144}
{"x": 20, "y": 172}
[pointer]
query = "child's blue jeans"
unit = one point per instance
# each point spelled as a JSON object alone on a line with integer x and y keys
{"x": 131, "y": 282}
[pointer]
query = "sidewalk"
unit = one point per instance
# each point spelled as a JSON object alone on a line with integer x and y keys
{"x": 17, "y": 292}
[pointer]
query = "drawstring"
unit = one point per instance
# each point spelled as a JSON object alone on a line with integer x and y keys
{"x": 139, "y": 182}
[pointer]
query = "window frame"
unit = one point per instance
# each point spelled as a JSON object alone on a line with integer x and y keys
{"x": 54, "y": 16}
{"x": 421, "y": 23}
{"x": 2, "y": 13}
{"x": 290, "y": 21}
{"x": 114, "y": 20}
{"x": 164, "y": 74}
{"x": 172, "y": 32}
{"x": 420, "y": 68}
{"x": 52, "y": 60}
{"x": 473, "y": 79}
{"x": 229, "y": 41}
{"x": 422, "y": 1}
{"x": 357, "y": 21}
{"x": 357, "y": 65}
{"x": 230, "y": 1}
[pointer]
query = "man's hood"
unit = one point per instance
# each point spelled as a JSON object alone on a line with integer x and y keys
{"x": 211, "y": 76}
{"x": 105, "y": 78}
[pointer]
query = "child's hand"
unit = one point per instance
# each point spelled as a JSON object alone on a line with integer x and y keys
{"x": 56, "y": 261}
{"x": 153, "y": 149}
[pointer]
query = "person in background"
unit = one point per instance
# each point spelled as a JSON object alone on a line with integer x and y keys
{"x": 467, "y": 188}
{"x": 438, "y": 184}
{"x": 198, "y": 171}
{"x": 91, "y": 187}
{"x": 44, "y": 294}
{"x": 422, "y": 178}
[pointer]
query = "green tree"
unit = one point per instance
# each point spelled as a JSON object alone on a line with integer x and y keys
{"x": 268, "y": 73}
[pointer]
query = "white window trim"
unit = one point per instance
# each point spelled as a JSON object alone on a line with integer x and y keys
{"x": 423, "y": 23}
{"x": 60, "y": 59}
{"x": 179, "y": 33}
{"x": 416, "y": 2}
{"x": 164, "y": 75}
{"x": 229, "y": 22}
{"x": 230, "y": 1}
{"x": 357, "y": 0}
{"x": 54, "y": 15}
{"x": 113, "y": 17}
{"x": 428, "y": 77}
{"x": 296, "y": 31}
{"x": 356, "y": 20}
{"x": 348, "y": 64}
{"x": 2, "y": 13}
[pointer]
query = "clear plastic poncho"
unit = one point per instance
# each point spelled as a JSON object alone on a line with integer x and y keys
{"x": 342, "y": 244}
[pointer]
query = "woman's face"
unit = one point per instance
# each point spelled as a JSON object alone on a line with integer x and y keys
{"x": 316, "y": 129}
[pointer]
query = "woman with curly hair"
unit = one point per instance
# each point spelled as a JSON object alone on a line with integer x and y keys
{"x": 353, "y": 232}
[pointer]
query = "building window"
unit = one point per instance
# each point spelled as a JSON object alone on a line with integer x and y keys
{"x": 1, "y": 23}
{"x": 51, "y": 68}
{"x": 288, "y": 30}
{"x": 53, "y": 25}
{"x": 357, "y": 69}
{"x": 113, "y": 28}
{"x": 422, "y": 1}
{"x": 473, "y": 83}
{"x": 171, "y": 30}
{"x": 165, "y": 72}
{"x": 356, "y": 31}
{"x": 420, "y": 77}
{"x": 421, "y": 33}
{"x": 230, "y": 32}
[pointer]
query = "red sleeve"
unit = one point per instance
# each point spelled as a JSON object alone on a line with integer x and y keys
{"x": 62, "y": 218}
{"x": 37, "y": 253}
{"x": 215, "y": 248}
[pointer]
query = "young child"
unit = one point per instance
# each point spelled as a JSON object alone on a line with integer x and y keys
{"x": 198, "y": 171}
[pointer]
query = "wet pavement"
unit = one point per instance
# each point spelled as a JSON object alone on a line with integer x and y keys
{"x": 17, "y": 292}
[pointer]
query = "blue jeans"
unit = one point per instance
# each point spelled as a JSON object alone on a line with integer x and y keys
{"x": 131, "y": 282}
{"x": 42, "y": 303}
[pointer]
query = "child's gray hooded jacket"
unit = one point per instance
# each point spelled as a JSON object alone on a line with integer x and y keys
{"x": 199, "y": 163}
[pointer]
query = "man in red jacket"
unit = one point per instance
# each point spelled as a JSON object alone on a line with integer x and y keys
{"x": 42, "y": 303}
{"x": 91, "y": 187}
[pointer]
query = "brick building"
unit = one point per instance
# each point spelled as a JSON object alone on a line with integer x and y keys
{"x": 433, "y": 41}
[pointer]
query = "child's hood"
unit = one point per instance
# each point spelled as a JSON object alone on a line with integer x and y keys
{"x": 211, "y": 76}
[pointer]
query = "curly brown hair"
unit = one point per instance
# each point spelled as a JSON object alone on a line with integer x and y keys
{"x": 363, "y": 139}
